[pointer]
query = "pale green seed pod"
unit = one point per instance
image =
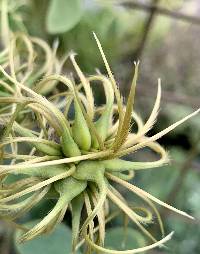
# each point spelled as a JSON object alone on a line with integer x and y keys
{"x": 80, "y": 130}
{"x": 69, "y": 147}
{"x": 16, "y": 210}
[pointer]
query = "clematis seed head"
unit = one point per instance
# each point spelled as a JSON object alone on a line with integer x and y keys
{"x": 79, "y": 163}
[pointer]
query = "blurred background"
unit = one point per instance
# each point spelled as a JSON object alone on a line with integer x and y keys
{"x": 165, "y": 36}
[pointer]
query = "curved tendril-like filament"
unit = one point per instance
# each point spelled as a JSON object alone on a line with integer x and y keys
{"x": 89, "y": 211}
{"x": 47, "y": 65}
{"x": 148, "y": 201}
{"x": 34, "y": 149}
{"x": 42, "y": 124}
{"x": 156, "y": 136}
{"x": 36, "y": 107}
{"x": 100, "y": 214}
{"x": 123, "y": 176}
{"x": 99, "y": 205}
{"x": 56, "y": 221}
{"x": 150, "y": 122}
{"x": 143, "y": 193}
{"x": 16, "y": 210}
{"x": 45, "y": 223}
{"x": 134, "y": 216}
{"x": 117, "y": 193}
{"x": 56, "y": 77}
{"x": 130, "y": 214}
{"x": 113, "y": 82}
{"x": 31, "y": 140}
{"x": 133, "y": 251}
{"x": 153, "y": 207}
{"x": 38, "y": 159}
{"x": 5, "y": 169}
{"x": 86, "y": 85}
{"x": 153, "y": 145}
{"x": 40, "y": 185}
{"x": 96, "y": 229}
{"x": 26, "y": 132}
{"x": 19, "y": 184}
{"x": 35, "y": 104}
{"x": 13, "y": 47}
{"x": 58, "y": 114}
{"x": 148, "y": 218}
{"x": 43, "y": 101}
{"x": 109, "y": 94}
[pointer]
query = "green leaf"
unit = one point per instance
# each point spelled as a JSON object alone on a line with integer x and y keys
{"x": 59, "y": 241}
{"x": 63, "y": 15}
{"x": 119, "y": 238}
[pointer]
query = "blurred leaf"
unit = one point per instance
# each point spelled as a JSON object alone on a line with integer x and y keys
{"x": 186, "y": 237}
{"x": 63, "y": 15}
{"x": 189, "y": 196}
{"x": 119, "y": 238}
{"x": 59, "y": 241}
{"x": 187, "y": 232}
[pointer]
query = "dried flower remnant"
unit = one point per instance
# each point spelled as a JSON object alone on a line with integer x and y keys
{"x": 75, "y": 160}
